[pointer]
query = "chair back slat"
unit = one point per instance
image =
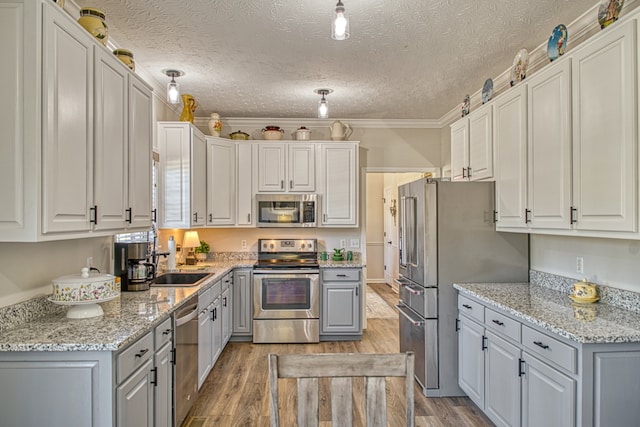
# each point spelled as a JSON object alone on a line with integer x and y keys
{"x": 376, "y": 401}
{"x": 341, "y": 367}
{"x": 341, "y": 402}
{"x": 308, "y": 402}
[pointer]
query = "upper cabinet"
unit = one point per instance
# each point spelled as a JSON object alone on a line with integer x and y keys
{"x": 66, "y": 163}
{"x": 285, "y": 167}
{"x": 472, "y": 146}
{"x": 183, "y": 175}
{"x": 338, "y": 178}
{"x": 221, "y": 181}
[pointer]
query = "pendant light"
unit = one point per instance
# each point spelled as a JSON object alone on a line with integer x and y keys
{"x": 173, "y": 88}
{"x": 340, "y": 23}
{"x": 323, "y": 106}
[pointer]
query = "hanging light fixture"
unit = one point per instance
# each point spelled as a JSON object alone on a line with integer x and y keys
{"x": 340, "y": 23}
{"x": 173, "y": 88}
{"x": 323, "y": 107}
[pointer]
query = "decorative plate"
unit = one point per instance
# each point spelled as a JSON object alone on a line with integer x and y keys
{"x": 466, "y": 104}
{"x": 519, "y": 68}
{"x": 557, "y": 42}
{"x": 609, "y": 11}
{"x": 487, "y": 90}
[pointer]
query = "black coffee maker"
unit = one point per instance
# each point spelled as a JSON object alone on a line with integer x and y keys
{"x": 131, "y": 265}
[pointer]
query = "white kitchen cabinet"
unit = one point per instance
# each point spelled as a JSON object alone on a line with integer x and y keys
{"x": 163, "y": 372}
{"x": 65, "y": 166}
{"x": 605, "y": 140}
{"x": 245, "y": 172}
{"x": 227, "y": 308}
{"x": 549, "y": 147}
{"x": 501, "y": 381}
{"x": 205, "y": 335}
{"x": 471, "y": 359}
{"x": 338, "y": 177}
{"x": 341, "y": 302}
{"x": 284, "y": 167}
{"x": 510, "y": 142}
{"x": 216, "y": 329}
{"x": 183, "y": 175}
{"x": 242, "y": 299}
{"x": 134, "y": 398}
{"x": 472, "y": 146}
{"x": 221, "y": 182}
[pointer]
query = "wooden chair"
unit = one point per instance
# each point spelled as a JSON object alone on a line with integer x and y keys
{"x": 341, "y": 367}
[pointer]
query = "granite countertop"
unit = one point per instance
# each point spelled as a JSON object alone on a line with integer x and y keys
{"x": 341, "y": 264}
{"x": 125, "y": 319}
{"x": 553, "y": 311}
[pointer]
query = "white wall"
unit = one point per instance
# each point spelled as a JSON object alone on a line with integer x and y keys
{"x": 610, "y": 262}
{"x": 375, "y": 227}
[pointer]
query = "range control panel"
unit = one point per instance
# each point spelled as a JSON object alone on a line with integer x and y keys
{"x": 287, "y": 245}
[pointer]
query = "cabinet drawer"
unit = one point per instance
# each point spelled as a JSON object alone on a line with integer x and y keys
{"x": 502, "y": 324}
{"x": 549, "y": 348}
{"x": 337, "y": 275}
{"x": 205, "y": 298}
{"x": 227, "y": 280}
{"x": 471, "y": 308}
{"x": 134, "y": 357}
{"x": 163, "y": 333}
{"x": 216, "y": 289}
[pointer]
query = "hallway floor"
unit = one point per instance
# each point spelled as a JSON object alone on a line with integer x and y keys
{"x": 236, "y": 393}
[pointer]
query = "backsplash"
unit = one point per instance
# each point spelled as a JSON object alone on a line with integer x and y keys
{"x": 613, "y": 296}
{"x": 17, "y": 314}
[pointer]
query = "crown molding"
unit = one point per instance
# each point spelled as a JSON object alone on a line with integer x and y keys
{"x": 259, "y": 122}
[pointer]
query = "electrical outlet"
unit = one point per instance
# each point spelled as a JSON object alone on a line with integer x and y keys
{"x": 355, "y": 243}
{"x": 580, "y": 264}
{"x": 90, "y": 262}
{"x": 243, "y": 244}
{"x": 343, "y": 243}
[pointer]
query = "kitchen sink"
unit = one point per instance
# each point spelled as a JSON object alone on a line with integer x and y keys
{"x": 180, "y": 279}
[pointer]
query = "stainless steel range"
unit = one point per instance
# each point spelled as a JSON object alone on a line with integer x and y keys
{"x": 286, "y": 297}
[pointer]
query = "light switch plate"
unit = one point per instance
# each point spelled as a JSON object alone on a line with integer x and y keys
{"x": 355, "y": 243}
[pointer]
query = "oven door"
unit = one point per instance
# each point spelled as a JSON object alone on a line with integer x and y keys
{"x": 286, "y": 295}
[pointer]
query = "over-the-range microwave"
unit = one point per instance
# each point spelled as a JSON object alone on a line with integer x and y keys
{"x": 287, "y": 210}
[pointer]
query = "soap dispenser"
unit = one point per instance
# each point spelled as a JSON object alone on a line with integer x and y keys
{"x": 171, "y": 262}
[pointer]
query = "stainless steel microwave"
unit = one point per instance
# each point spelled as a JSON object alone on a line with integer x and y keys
{"x": 287, "y": 210}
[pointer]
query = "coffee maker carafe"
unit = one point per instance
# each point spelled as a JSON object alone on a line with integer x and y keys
{"x": 130, "y": 264}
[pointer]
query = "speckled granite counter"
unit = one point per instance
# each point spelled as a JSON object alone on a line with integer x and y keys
{"x": 125, "y": 319}
{"x": 552, "y": 310}
{"x": 341, "y": 264}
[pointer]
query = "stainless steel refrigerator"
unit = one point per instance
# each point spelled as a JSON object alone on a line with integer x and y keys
{"x": 447, "y": 235}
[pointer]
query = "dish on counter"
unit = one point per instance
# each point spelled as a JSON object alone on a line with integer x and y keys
{"x": 487, "y": 90}
{"x": 583, "y": 300}
{"x": 557, "y": 42}
{"x": 519, "y": 67}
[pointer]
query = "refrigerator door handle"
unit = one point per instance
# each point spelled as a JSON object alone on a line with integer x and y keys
{"x": 413, "y": 321}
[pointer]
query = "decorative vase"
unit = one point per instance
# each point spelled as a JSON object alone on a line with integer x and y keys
{"x": 189, "y": 107}
{"x": 126, "y": 56}
{"x": 93, "y": 21}
{"x": 215, "y": 124}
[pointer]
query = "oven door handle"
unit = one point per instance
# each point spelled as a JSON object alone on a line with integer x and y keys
{"x": 414, "y": 322}
{"x": 286, "y": 272}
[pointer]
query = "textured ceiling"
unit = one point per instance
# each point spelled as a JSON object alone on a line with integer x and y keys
{"x": 405, "y": 59}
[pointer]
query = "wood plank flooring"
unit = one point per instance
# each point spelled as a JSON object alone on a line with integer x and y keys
{"x": 236, "y": 393}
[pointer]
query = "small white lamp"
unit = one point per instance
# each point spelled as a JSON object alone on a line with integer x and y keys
{"x": 191, "y": 240}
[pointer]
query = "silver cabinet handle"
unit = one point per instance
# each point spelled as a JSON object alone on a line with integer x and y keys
{"x": 413, "y": 322}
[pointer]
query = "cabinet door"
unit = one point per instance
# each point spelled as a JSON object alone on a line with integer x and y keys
{"x": 67, "y": 128}
{"x": 301, "y": 167}
{"x": 163, "y": 391}
{"x": 502, "y": 382}
{"x": 134, "y": 398}
{"x": 242, "y": 303}
{"x": 459, "y": 149}
{"x": 339, "y": 173}
{"x": 604, "y": 130}
{"x": 340, "y": 308}
{"x": 548, "y": 396}
{"x": 245, "y": 170}
{"x": 510, "y": 138}
{"x": 205, "y": 345}
{"x": 216, "y": 330}
{"x": 549, "y": 154}
{"x": 110, "y": 160}
{"x": 140, "y": 153}
{"x": 226, "y": 315}
{"x": 198, "y": 179}
{"x": 271, "y": 167}
{"x": 481, "y": 144}
{"x": 471, "y": 360}
{"x": 221, "y": 182}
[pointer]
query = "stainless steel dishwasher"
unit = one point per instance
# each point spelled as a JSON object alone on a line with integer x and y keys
{"x": 186, "y": 358}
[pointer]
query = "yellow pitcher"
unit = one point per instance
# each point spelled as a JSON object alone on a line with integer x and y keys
{"x": 189, "y": 108}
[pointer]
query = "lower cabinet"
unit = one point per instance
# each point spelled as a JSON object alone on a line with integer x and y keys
{"x": 242, "y": 300}
{"x": 341, "y": 302}
{"x": 227, "y": 308}
{"x": 134, "y": 398}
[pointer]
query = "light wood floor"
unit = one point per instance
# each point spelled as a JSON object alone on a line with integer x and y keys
{"x": 236, "y": 393}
